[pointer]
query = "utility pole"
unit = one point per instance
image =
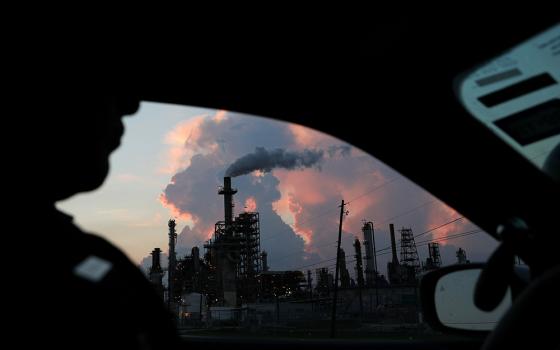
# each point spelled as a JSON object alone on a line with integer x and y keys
{"x": 333, "y": 317}
{"x": 360, "y": 272}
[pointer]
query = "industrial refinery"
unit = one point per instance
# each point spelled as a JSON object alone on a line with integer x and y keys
{"x": 231, "y": 283}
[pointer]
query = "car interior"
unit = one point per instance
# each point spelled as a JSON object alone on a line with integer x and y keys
{"x": 422, "y": 93}
{"x": 388, "y": 84}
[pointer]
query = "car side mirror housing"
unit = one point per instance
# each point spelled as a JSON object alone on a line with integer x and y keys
{"x": 447, "y": 297}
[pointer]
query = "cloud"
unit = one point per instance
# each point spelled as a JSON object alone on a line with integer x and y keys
{"x": 250, "y": 204}
{"x": 214, "y": 143}
{"x": 299, "y": 210}
{"x": 440, "y": 214}
{"x": 180, "y": 141}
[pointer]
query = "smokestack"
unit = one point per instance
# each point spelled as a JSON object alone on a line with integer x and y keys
{"x": 393, "y": 244}
{"x": 228, "y": 193}
{"x": 156, "y": 265}
{"x": 195, "y": 253}
{"x": 462, "y": 256}
{"x": 156, "y": 272}
{"x": 264, "y": 258}
{"x": 359, "y": 266}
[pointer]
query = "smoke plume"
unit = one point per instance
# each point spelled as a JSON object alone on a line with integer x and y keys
{"x": 265, "y": 161}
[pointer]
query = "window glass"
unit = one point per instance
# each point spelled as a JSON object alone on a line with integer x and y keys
{"x": 250, "y": 209}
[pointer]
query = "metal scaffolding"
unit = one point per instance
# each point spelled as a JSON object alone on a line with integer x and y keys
{"x": 248, "y": 229}
{"x": 409, "y": 253}
{"x": 433, "y": 250}
{"x": 234, "y": 253}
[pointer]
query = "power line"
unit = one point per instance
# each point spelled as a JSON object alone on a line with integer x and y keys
{"x": 458, "y": 235}
{"x": 453, "y": 236}
{"x": 387, "y": 248}
{"x": 408, "y": 211}
{"x": 374, "y": 189}
{"x": 446, "y": 238}
{"x": 440, "y": 226}
{"x": 347, "y": 262}
{"x": 329, "y": 211}
{"x": 291, "y": 229}
{"x": 422, "y": 243}
{"x": 317, "y": 263}
{"x": 430, "y": 230}
{"x": 292, "y": 254}
{"x": 332, "y": 266}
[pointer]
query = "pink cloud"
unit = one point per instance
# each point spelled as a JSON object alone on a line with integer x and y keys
{"x": 440, "y": 214}
{"x": 308, "y": 200}
{"x": 250, "y": 204}
{"x": 189, "y": 218}
{"x": 303, "y": 191}
{"x": 184, "y": 142}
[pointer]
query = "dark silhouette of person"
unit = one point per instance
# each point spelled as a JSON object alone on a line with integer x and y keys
{"x": 80, "y": 290}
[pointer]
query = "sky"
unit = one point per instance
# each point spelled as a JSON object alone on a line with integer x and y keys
{"x": 173, "y": 158}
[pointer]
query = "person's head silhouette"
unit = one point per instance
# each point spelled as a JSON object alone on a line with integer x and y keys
{"x": 71, "y": 130}
{"x": 74, "y": 139}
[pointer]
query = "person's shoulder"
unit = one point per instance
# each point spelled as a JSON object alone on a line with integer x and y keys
{"x": 98, "y": 254}
{"x": 100, "y": 247}
{"x": 91, "y": 249}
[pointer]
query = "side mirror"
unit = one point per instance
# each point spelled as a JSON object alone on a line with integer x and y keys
{"x": 447, "y": 296}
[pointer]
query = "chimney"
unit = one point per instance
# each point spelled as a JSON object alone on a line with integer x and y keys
{"x": 195, "y": 253}
{"x": 156, "y": 273}
{"x": 228, "y": 193}
{"x": 393, "y": 245}
{"x": 156, "y": 265}
{"x": 264, "y": 259}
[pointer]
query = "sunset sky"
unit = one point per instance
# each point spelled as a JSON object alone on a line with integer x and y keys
{"x": 173, "y": 158}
